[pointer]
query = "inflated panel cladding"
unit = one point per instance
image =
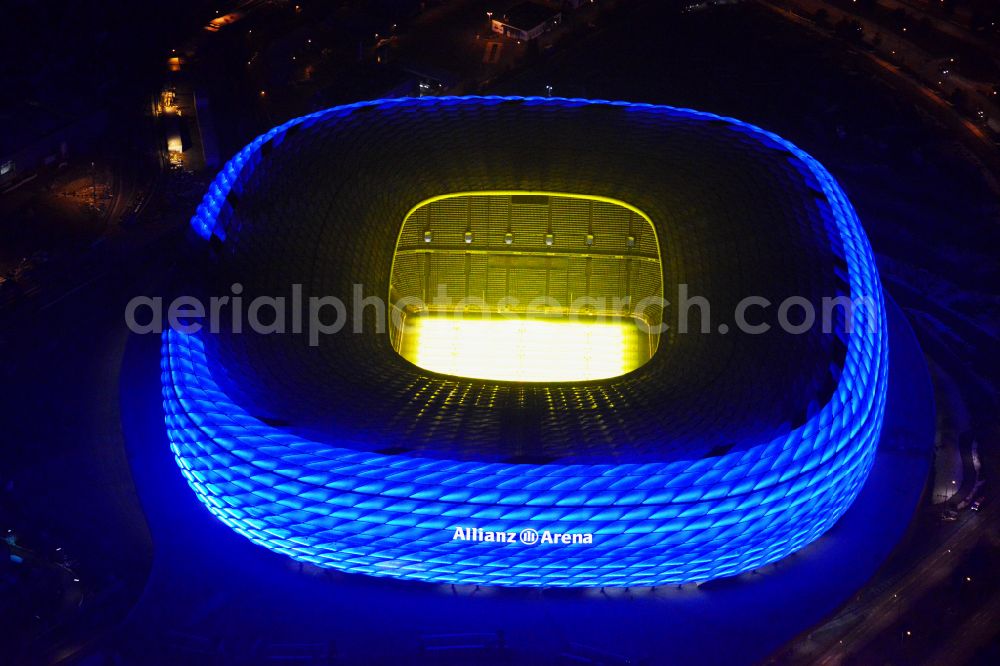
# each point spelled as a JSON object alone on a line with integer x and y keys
{"x": 330, "y": 231}
{"x": 702, "y": 463}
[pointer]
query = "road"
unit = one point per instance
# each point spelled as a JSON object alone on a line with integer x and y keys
{"x": 977, "y": 631}
{"x": 945, "y": 24}
{"x": 911, "y": 71}
{"x": 65, "y": 474}
{"x": 869, "y": 619}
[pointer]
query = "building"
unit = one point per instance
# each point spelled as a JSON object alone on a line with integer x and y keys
{"x": 526, "y": 21}
{"x": 681, "y": 458}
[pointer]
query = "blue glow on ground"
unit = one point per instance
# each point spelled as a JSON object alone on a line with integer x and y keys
{"x": 208, "y": 581}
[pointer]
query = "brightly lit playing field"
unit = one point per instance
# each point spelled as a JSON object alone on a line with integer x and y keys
{"x": 535, "y": 287}
{"x": 525, "y": 349}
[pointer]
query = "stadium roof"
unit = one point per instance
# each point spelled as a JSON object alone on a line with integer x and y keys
{"x": 737, "y": 215}
{"x": 723, "y": 453}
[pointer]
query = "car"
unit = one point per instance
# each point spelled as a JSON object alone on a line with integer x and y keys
{"x": 975, "y": 506}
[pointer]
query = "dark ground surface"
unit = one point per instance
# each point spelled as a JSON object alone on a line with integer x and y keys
{"x": 932, "y": 221}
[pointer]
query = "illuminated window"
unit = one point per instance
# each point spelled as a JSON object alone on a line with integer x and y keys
{"x": 174, "y": 144}
{"x": 577, "y": 297}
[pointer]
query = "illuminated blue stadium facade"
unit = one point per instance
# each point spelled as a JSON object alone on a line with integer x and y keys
{"x": 680, "y": 513}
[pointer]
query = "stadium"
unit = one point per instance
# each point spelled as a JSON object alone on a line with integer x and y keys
{"x": 684, "y": 457}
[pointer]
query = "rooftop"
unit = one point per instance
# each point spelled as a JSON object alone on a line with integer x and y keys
{"x": 528, "y": 15}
